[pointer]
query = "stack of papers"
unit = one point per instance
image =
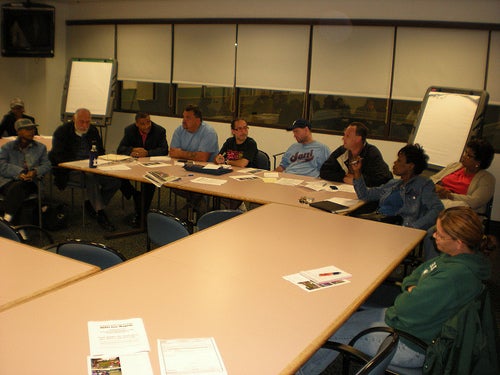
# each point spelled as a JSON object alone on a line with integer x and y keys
{"x": 158, "y": 178}
{"x": 319, "y": 278}
{"x": 114, "y": 157}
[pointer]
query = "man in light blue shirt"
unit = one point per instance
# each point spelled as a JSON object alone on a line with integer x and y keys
{"x": 307, "y": 155}
{"x": 194, "y": 139}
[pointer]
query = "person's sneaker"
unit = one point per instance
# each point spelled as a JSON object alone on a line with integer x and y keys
{"x": 90, "y": 210}
{"x": 104, "y": 222}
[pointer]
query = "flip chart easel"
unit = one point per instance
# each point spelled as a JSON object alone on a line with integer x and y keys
{"x": 448, "y": 118}
{"x": 90, "y": 83}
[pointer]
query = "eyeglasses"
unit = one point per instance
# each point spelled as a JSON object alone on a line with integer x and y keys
{"x": 242, "y": 128}
{"x": 441, "y": 237}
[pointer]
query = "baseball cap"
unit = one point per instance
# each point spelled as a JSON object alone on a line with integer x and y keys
{"x": 16, "y": 102}
{"x": 300, "y": 123}
{"x": 24, "y": 123}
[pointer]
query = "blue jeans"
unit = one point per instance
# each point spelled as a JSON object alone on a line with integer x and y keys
{"x": 369, "y": 344}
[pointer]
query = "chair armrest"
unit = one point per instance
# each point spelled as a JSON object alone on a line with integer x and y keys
{"x": 346, "y": 349}
{"x": 403, "y": 334}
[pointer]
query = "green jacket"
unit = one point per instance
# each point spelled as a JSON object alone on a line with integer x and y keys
{"x": 467, "y": 342}
{"x": 443, "y": 286}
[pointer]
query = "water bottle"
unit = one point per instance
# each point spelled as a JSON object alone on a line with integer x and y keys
{"x": 93, "y": 156}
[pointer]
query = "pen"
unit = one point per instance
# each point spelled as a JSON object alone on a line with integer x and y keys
{"x": 330, "y": 273}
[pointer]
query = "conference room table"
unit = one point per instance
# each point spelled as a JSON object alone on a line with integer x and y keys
{"x": 251, "y": 190}
{"x": 27, "y": 272}
{"x": 224, "y": 282}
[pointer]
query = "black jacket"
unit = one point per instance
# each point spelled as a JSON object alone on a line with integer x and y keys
{"x": 65, "y": 146}
{"x": 156, "y": 140}
{"x": 374, "y": 169}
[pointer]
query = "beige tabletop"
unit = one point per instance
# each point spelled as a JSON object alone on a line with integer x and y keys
{"x": 27, "y": 272}
{"x": 225, "y": 282}
{"x": 256, "y": 191}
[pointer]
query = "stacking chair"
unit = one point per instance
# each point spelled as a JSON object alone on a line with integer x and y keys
{"x": 215, "y": 217}
{"x": 29, "y": 234}
{"x": 35, "y": 196}
{"x": 164, "y": 228}
{"x": 90, "y": 252}
{"x": 276, "y": 157}
{"x": 486, "y": 216}
{"x": 375, "y": 365}
{"x": 263, "y": 161}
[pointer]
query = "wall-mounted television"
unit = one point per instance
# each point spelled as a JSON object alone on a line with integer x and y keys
{"x": 28, "y": 30}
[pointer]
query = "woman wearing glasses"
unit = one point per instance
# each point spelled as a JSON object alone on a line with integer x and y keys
{"x": 467, "y": 182}
{"x": 434, "y": 292}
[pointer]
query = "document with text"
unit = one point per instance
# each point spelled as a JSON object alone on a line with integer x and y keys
{"x": 190, "y": 356}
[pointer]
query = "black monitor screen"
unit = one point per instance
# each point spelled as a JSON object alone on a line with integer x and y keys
{"x": 28, "y": 30}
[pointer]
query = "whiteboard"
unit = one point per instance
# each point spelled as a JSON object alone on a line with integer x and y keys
{"x": 89, "y": 84}
{"x": 447, "y": 119}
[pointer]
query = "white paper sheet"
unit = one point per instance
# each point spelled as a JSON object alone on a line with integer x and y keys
{"x": 208, "y": 181}
{"x": 289, "y": 181}
{"x": 117, "y": 337}
{"x": 190, "y": 356}
{"x": 310, "y": 286}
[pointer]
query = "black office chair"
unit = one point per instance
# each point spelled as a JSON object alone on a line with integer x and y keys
{"x": 29, "y": 234}
{"x": 375, "y": 365}
{"x": 215, "y": 217}
{"x": 275, "y": 159}
{"x": 486, "y": 216}
{"x": 262, "y": 160}
{"x": 164, "y": 228}
{"x": 37, "y": 196}
{"x": 90, "y": 252}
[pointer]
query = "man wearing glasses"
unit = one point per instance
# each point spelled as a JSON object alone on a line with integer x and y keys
{"x": 239, "y": 150}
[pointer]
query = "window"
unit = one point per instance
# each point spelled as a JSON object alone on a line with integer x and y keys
{"x": 335, "y": 113}
{"x": 145, "y": 96}
{"x": 270, "y": 107}
{"x": 491, "y": 126}
{"x": 214, "y": 102}
{"x": 403, "y": 118}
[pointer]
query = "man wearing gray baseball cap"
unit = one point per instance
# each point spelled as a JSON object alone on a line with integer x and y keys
{"x": 22, "y": 161}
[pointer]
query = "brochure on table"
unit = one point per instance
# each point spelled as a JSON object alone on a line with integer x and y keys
{"x": 319, "y": 278}
{"x": 119, "y": 345}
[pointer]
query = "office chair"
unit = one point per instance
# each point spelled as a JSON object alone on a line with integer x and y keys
{"x": 275, "y": 159}
{"x": 29, "y": 234}
{"x": 262, "y": 160}
{"x": 215, "y": 217}
{"x": 34, "y": 196}
{"x": 375, "y": 365}
{"x": 486, "y": 216}
{"x": 90, "y": 252}
{"x": 164, "y": 228}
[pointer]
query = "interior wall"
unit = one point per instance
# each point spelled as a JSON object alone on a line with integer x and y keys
{"x": 39, "y": 81}
{"x": 442, "y": 10}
